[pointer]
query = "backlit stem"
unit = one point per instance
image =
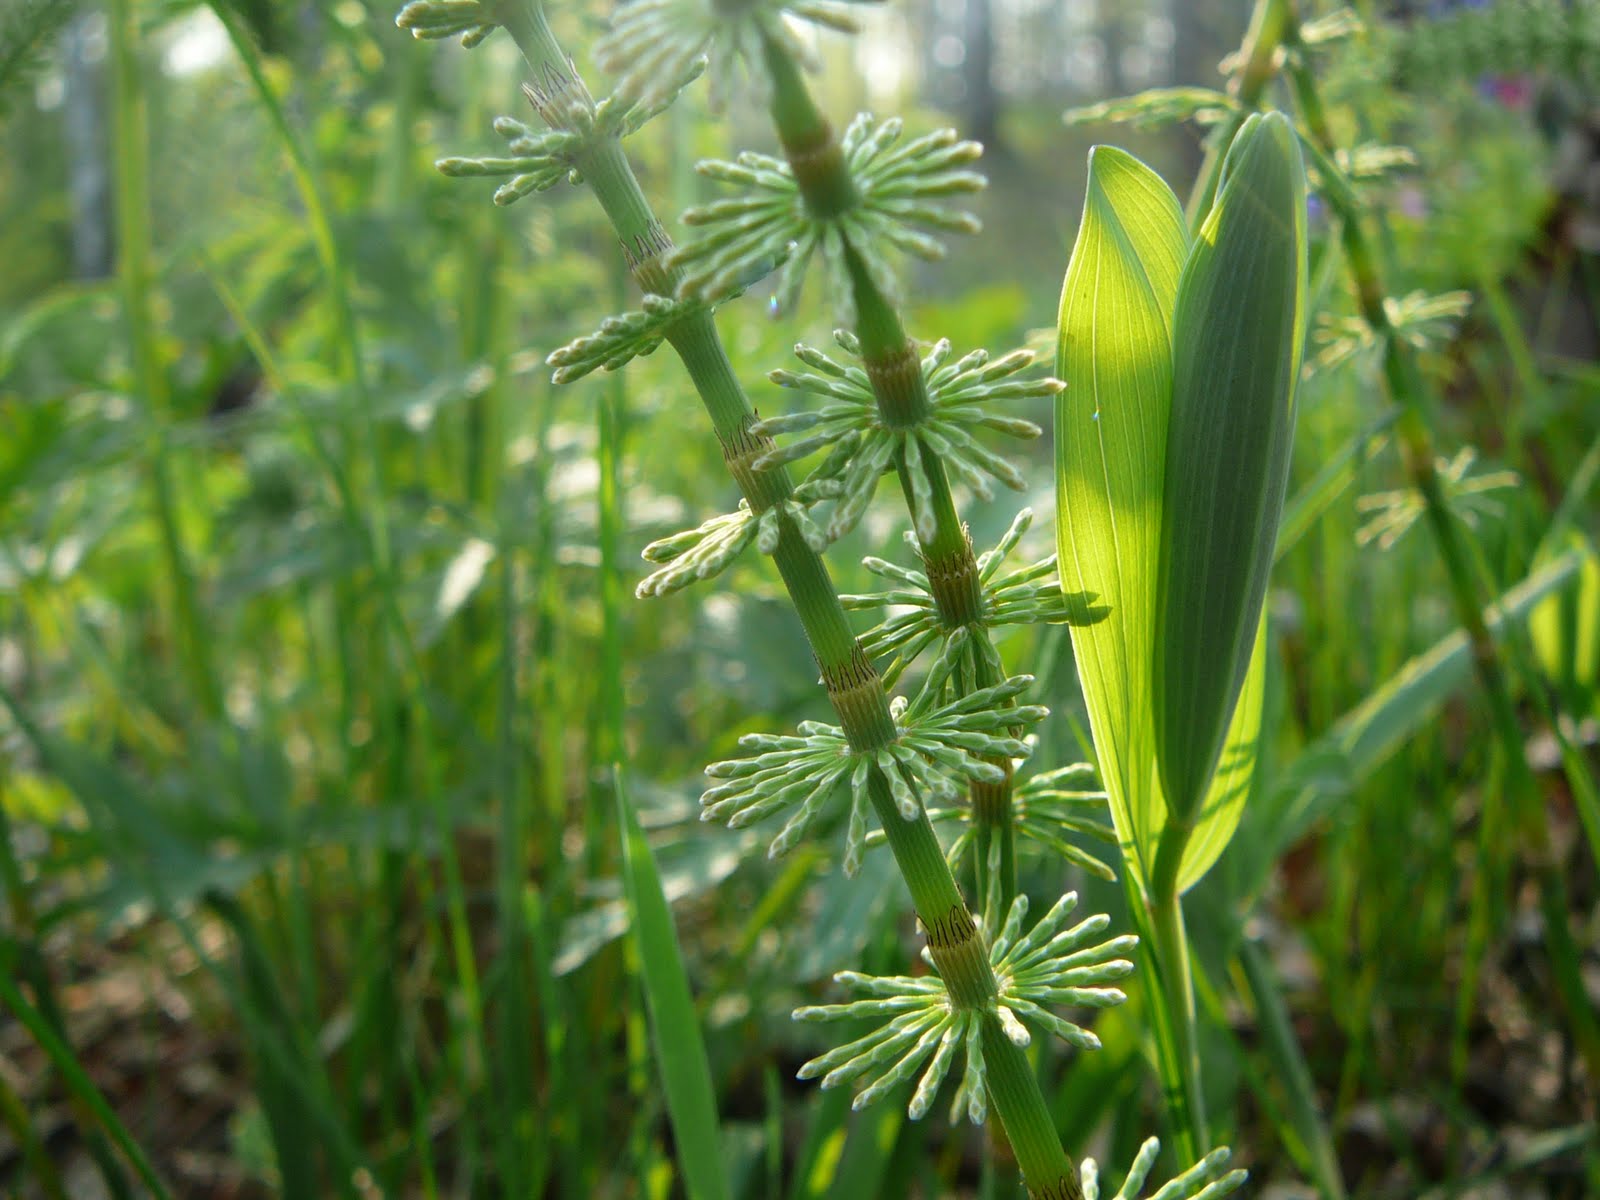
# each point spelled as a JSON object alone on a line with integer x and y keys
{"x": 894, "y": 370}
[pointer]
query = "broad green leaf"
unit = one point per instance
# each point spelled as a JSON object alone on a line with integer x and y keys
{"x": 1236, "y": 772}
{"x": 1114, "y": 351}
{"x": 680, "y": 1048}
{"x": 1238, "y": 333}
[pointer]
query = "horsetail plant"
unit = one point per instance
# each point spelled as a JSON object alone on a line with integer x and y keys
{"x": 852, "y": 202}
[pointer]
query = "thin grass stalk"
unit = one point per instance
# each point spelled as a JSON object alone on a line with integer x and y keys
{"x": 515, "y": 1065}
{"x": 1172, "y": 999}
{"x": 135, "y": 274}
{"x": 1283, "y": 1048}
{"x": 15, "y": 1117}
{"x": 957, "y": 943}
{"x": 1403, "y": 382}
{"x": 608, "y": 747}
{"x": 1269, "y": 21}
{"x": 19, "y": 955}
{"x": 606, "y": 750}
{"x": 1176, "y": 1025}
{"x": 544, "y": 1137}
{"x": 1485, "y": 908}
{"x": 83, "y": 1091}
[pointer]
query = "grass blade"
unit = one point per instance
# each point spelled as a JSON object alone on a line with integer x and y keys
{"x": 1289, "y": 1063}
{"x": 78, "y": 1082}
{"x": 680, "y": 1049}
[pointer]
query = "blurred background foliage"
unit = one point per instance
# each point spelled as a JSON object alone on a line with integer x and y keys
{"x": 317, "y": 636}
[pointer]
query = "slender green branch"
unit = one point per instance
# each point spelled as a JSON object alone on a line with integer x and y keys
{"x": 1258, "y": 64}
{"x": 901, "y": 390}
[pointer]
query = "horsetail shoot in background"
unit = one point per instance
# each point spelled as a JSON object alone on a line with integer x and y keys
{"x": 326, "y": 706}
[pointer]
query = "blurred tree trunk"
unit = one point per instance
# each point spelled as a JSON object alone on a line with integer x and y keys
{"x": 1113, "y": 36}
{"x": 1201, "y": 36}
{"x": 982, "y": 99}
{"x": 88, "y": 165}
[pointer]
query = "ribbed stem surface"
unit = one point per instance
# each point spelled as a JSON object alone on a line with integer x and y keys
{"x": 894, "y": 370}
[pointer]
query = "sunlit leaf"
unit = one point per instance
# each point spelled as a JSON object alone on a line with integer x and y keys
{"x": 1115, "y": 354}
{"x": 1236, "y": 773}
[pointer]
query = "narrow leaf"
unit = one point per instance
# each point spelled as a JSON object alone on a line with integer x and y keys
{"x": 680, "y": 1049}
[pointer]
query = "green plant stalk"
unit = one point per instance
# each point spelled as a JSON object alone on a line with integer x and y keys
{"x": 1158, "y": 911}
{"x": 901, "y": 391}
{"x": 606, "y": 745}
{"x": 1269, "y": 22}
{"x": 22, "y": 961}
{"x": 1176, "y": 1026}
{"x": 958, "y": 946}
{"x": 14, "y": 1115}
{"x": 78, "y": 1083}
{"x": 515, "y": 1067}
{"x": 132, "y": 152}
{"x": 1405, "y": 389}
{"x": 1283, "y": 1048}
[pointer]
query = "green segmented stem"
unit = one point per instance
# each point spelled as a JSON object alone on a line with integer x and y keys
{"x": 958, "y": 946}
{"x": 894, "y": 370}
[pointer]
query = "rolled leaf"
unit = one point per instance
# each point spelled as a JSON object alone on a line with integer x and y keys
{"x": 1238, "y": 333}
{"x": 1114, "y": 351}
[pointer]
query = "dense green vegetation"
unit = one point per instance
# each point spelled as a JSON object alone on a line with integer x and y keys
{"x": 349, "y": 795}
